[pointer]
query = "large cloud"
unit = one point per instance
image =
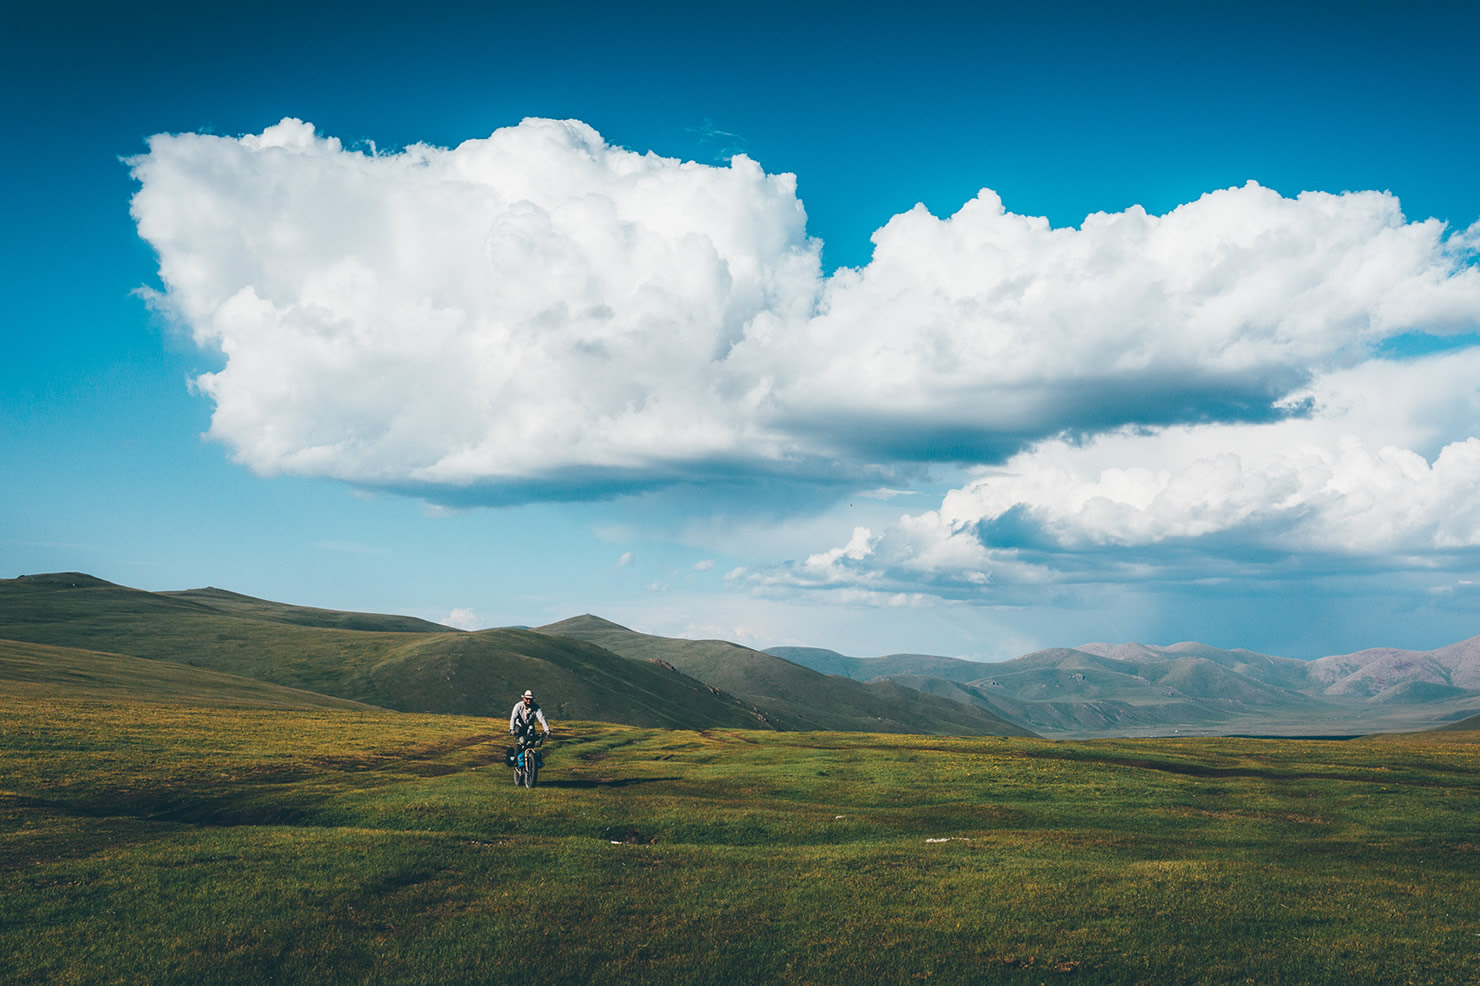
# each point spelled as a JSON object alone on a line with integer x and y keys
{"x": 989, "y": 327}
{"x": 507, "y": 311}
{"x": 541, "y": 311}
{"x": 1382, "y": 475}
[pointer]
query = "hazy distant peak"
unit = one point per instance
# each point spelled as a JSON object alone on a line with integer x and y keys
{"x": 1116, "y": 652}
{"x": 1185, "y": 648}
{"x": 585, "y": 621}
{"x": 215, "y": 593}
{"x": 1374, "y": 670}
{"x": 67, "y": 580}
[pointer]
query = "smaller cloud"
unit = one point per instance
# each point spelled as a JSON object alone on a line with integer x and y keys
{"x": 704, "y": 566}
{"x": 625, "y": 560}
{"x": 832, "y": 566}
{"x": 1461, "y": 587}
{"x": 462, "y": 618}
{"x": 848, "y": 596}
{"x": 656, "y": 587}
{"x": 1358, "y": 485}
{"x": 885, "y": 493}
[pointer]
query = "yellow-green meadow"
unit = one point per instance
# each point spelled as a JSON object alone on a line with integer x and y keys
{"x": 165, "y": 843}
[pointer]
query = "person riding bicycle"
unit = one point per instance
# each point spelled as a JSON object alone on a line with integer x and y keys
{"x": 525, "y": 714}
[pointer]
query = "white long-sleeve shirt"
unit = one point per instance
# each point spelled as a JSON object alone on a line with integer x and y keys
{"x": 520, "y": 716}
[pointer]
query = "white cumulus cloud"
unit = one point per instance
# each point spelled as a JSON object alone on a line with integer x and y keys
{"x": 543, "y": 314}
{"x": 990, "y": 325}
{"x": 504, "y": 310}
{"x": 1386, "y": 469}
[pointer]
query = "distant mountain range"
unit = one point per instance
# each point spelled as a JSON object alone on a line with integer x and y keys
{"x": 1130, "y": 689}
{"x": 79, "y": 633}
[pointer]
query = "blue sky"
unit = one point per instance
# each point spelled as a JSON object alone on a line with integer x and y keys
{"x": 1220, "y": 411}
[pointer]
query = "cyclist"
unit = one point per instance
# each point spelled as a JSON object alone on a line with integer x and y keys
{"x": 525, "y": 714}
{"x": 522, "y": 720}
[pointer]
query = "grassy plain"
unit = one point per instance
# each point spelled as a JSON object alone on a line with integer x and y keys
{"x": 169, "y": 843}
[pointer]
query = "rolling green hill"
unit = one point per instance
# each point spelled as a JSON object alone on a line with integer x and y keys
{"x": 421, "y": 668}
{"x": 42, "y": 671}
{"x": 71, "y": 610}
{"x": 235, "y": 604}
{"x": 794, "y": 697}
{"x": 1470, "y": 724}
{"x": 481, "y": 674}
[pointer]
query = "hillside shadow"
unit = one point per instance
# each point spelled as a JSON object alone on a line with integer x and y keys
{"x": 1257, "y": 773}
{"x": 585, "y": 784}
{"x": 164, "y": 807}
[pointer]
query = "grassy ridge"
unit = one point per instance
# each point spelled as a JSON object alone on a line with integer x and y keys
{"x": 236, "y": 604}
{"x": 40, "y": 670}
{"x": 1470, "y": 725}
{"x": 76, "y": 611}
{"x": 176, "y": 844}
{"x": 481, "y": 673}
{"x": 793, "y": 696}
{"x": 389, "y": 661}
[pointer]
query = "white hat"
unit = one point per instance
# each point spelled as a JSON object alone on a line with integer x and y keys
{"x": 528, "y": 693}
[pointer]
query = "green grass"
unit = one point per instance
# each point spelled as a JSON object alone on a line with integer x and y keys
{"x": 158, "y": 843}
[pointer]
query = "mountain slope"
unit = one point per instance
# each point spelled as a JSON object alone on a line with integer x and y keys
{"x": 1066, "y": 715}
{"x": 33, "y": 671}
{"x": 236, "y": 604}
{"x": 1468, "y": 725}
{"x": 1134, "y": 688}
{"x": 482, "y": 673}
{"x": 1061, "y": 690}
{"x": 792, "y": 696}
{"x": 71, "y": 610}
{"x": 889, "y": 666}
{"x": 1278, "y": 672}
{"x": 1373, "y": 671}
{"x": 1192, "y": 687}
{"x": 421, "y": 670}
